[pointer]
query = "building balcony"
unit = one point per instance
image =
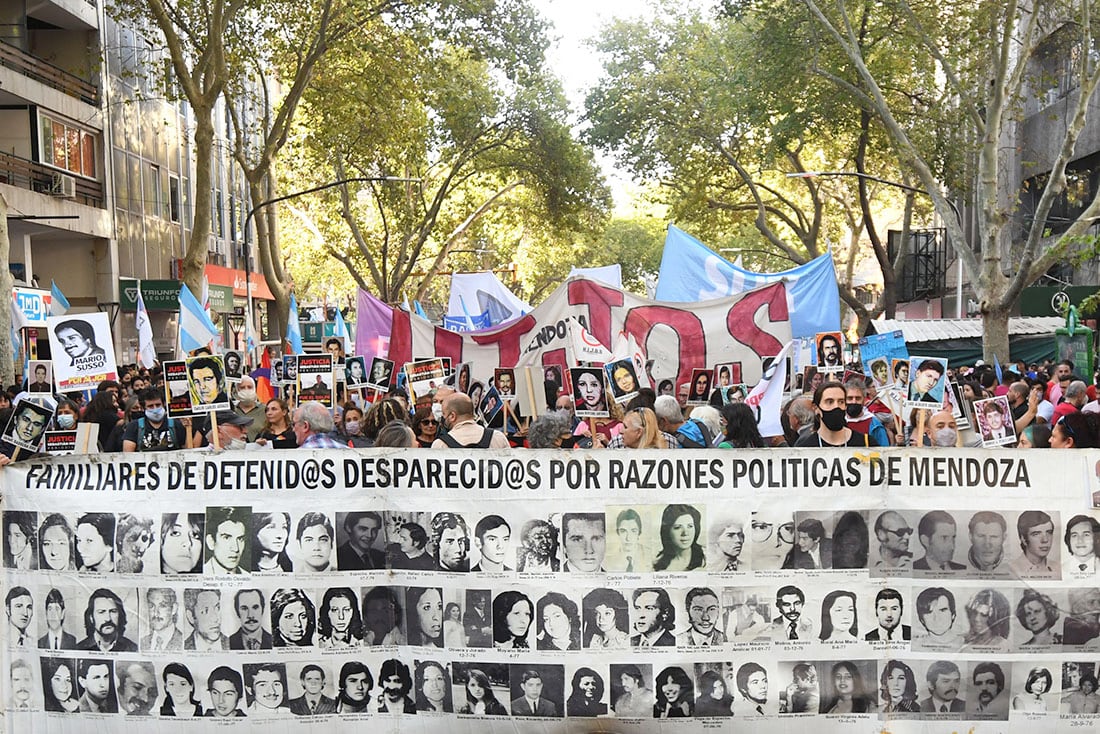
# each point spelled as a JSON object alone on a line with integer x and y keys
{"x": 53, "y": 76}
{"x": 25, "y": 174}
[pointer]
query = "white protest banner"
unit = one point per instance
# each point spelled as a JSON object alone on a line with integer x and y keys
{"x": 780, "y": 584}
{"x": 82, "y": 349}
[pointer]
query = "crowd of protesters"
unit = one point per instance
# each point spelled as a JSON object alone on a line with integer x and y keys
{"x": 1051, "y": 407}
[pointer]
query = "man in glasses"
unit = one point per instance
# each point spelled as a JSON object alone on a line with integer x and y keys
{"x": 893, "y": 533}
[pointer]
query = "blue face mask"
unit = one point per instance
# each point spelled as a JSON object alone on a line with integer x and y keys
{"x": 155, "y": 414}
{"x": 66, "y": 420}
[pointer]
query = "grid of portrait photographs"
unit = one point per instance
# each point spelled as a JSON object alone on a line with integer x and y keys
{"x": 632, "y": 611}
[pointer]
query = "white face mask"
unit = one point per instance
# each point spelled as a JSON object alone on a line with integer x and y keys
{"x": 247, "y": 396}
{"x": 437, "y": 411}
{"x": 237, "y": 444}
{"x": 945, "y": 437}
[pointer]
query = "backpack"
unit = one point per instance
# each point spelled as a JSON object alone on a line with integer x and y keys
{"x": 486, "y": 439}
{"x": 688, "y": 442}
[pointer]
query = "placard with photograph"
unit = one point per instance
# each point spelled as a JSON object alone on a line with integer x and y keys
{"x": 316, "y": 380}
{"x": 622, "y": 376}
{"x": 355, "y": 372}
{"x": 994, "y": 418}
{"x": 27, "y": 424}
{"x": 381, "y": 374}
{"x": 234, "y": 365}
{"x": 177, "y": 391}
{"x": 206, "y": 384}
{"x": 83, "y": 350}
{"x": 830, "y": 352}
{"x": 699, "y": 390}
{"x": 423, "y": 376}
{"x": 589, "y": 392}
{"x": 40, "y": 376}
{"x": 927, "y": 376}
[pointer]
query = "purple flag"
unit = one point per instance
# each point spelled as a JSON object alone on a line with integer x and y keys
{"x": 374, "y": 321}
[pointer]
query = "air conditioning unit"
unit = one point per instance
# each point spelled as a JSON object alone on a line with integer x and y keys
{"x": 64, "y": 186}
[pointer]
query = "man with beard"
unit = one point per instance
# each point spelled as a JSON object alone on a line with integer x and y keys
{"x": 703, "y": 613}
{"x": 944, "y": 681}
{"x": 538, "y": 547}
{"x": 137, "y": 687}
{"x": 654, "y": 617}
{"x": 888, "y": 611}
{"x": 97, "y": 681}
{"x": 396, "y": 684}
{"x": 752, "y": 683}
{"x": 105, "y": 624}
{"x": 989, "y": 685}
{"x": 987, "y": 542}
{"x": 249, "y": 605}
{"x": 829, "y": 348}
{"x": 729, "y": 540}
{"x": 586, "y": 695}
{"x": 791, "y": 625}
{"x": 355, "y": 685}
{"x": 1036, "y": 531}
{"x": 451, "y": 540}
{"x": 162, "y": 609}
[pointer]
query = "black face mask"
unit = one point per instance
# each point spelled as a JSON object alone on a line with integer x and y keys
{"x": 854, "y": 409}
{"x": 833, "y": 419}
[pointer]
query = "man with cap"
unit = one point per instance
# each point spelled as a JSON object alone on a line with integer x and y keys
{"x": 232, "y": 430}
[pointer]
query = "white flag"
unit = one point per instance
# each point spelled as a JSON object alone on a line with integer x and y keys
{"x": 147, "y": 353}
{"x": 766, "y": 399}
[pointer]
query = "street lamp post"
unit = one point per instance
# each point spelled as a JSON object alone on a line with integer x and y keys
{"x": 904, "y": 187}
{"x": 296, "y": 194}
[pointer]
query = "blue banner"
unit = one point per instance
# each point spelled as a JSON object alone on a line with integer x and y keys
{"x": 691, "y": 271}
{"x": 882, "y": 349}
{"x": 464, "y": 323}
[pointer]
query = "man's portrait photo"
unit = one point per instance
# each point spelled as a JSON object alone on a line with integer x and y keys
{"x": 653, "y": 618}
{"x": 704, "y": 614}
{"x": 395, "y": 680}
{"x": 355, "y": 372}
{"x": 250, "y": 606}
{"x": 937, "y": 616}
{"x": 995, "y": 422}
{"x": 727, "y": 535}
{"x": 40, "y": 378}
{"x": 105, "y": 622}
{"x": 206, "y": 383}
{"x": 937, "y": 532}
{"x": 56, "y": 636}
{"x": 505, "y": 382}
{"x": 226, "y": 542}
{"x": 315, "y": 682}
{"x": 357, "y": 551}
{"x": 537, "y": 690}
{"x": 137, "y": 687}
{"x": 162, "y": 610}
{"x": 315, "y": 543}
{"x": 988, "y": 533}
{"x": 632, "y": 547}
{"x": 450, "y": 539}
{"x": 890, "y": 616}
{"x": 1038, "y": 557}
{"x": 265, "y": 688}
{"x": 97, "y": 686}
{"x": 945, "y": 686}
{"x": 77, "y": 339}
{"x": 926, "y": 380}
{"x": 20, "y": 540}
{"x": 830, "y": 352}
{"x": 203, "y": 611}
{"x": 493, "y": 542}
{"x": 584, "y": 541}
{"x": 381, "y": 373}
{"x": 234, "y": 362}
{"x": 27, "y": 425}
{"x": 19, "y": 605}
{"x": 811, "y": 549}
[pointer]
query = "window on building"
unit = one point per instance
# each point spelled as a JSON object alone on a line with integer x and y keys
{"x": 174, "y": 198}
{"x": 67, "y": 146}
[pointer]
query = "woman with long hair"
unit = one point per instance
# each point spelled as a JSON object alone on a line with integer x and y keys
{"x": 179, "y": 692}
{"x": 425, "y": 609}
{"x": 988, "y": 614}
{"x": 381, "y": 413}
{"x": 55, "y": 544}
{"x": 102, "y": 410}
{"x": 480, "y": 698}
{"x": 277, "y": 429}
{"x": 640, "y": 431}
{"x": 181, "y": 537}
{"x": 425, "y": 426}
{"x": 741, "y": 431}
{"x": 680, "y": 547}
{"x": 512, "y": 615}
{"x": 339, "y": 624}
{"x": 838, "y": 617}
{"x": 1076, "y": 431}
{"x": 675, "y": 695}
{"x": 714, "y": 698}
{"x": 850, "y": 541}
{"x": 293, "y": 618}
{"x": 59, "y": 690}
{"x": 351, "y": 427}
{"x": 559, "y": 623}
{"x": 850, "y": 697}
{"x": 270, "y": 531}
{"x": 454, "y": 634}
{"x": 433, "y": 689}
{"x": 898, "y": 689}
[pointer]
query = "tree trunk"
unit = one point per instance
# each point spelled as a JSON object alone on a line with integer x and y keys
{"x": 194, "y": 259}
{"x": 7, "y": 350}
{"x": 995, "y": 333}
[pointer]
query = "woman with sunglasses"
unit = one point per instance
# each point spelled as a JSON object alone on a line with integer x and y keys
{"x": 426, "y": 426}
{"x": 1076, "y": 431}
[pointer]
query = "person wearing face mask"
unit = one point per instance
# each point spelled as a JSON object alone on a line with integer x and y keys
{"x": 859, "y": 418}
{"x": 248, "y": 405}
{"x": 67, "y": 415}
{"x": 830, "y": 401}
{"x": 942, "y": 430}
{"x": 231, "y": 431}
{"x": 153, "y": 431}
{"x": 351, "y": 428}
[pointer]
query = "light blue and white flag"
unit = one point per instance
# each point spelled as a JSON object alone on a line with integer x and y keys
{"x": 59, "y": 304}
{"x": 147, "y": 353}
{"x": 196, "y": 329}
{"x": 483, "y": 292}
{"x": 611, "y": 275}
{"x": 691, "y": 271}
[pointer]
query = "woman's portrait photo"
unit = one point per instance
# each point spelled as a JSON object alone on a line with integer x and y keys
{"x": 433, "y": 687}
{"x": 606, "y": 620}
{"x": 1039, "y": 619}
{"x": 339, "y": 625}
{"x": 622, "y": 378}
{"x": 715, "y": 699}
{"x": 181, "y": 538}
{"x": 59, "y": 685}
{"x": 559, "y": 623}
{"x": 838, "y": 617}
{"x": 179, "y": 692}
{"x": 844, "y": 692}
{"x": 293, "y": 618}
{"x": 55, "y": 544}
{"x": 383, "y": 616}
{"x": 898, "y": 689}
{"x": 424, "y": 606}
{"x": 270, "y": 533}
{"x": 513, "y": 613}
{"x": 479, "y": 692}
{"x": 699, "y": 393}
{"x": 681, "y": 546}
{"x": 675, "y": 694}
{"x": 1037, "y": 695}
{"x": 588, "y": 392}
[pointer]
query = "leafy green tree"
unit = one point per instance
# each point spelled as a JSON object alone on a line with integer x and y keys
{"x": 993, "y": 59}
